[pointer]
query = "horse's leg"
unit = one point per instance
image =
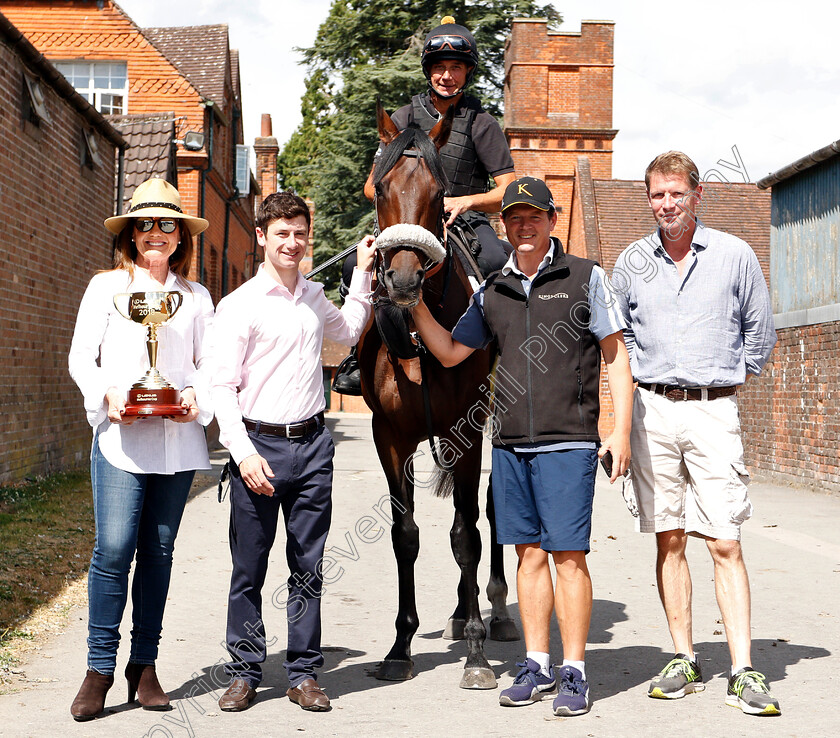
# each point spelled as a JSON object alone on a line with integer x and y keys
{"x": 466, "y": 546}
{"x": 454, "y": 629}
{"x": 502, "y": 627}
{"x": 405, "y": 537}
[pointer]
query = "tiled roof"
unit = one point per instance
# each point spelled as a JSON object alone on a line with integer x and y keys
{"x": 200, "y": 52}
{"x": 234, "y": 74}
{"x": 623, "y": 216}
{"x": 151, "y": 152}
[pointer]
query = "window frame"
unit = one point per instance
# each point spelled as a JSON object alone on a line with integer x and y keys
{"x": 92, "y": 93}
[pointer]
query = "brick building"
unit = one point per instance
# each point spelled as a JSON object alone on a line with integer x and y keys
{"x": 558, "y": 105}
{"x": 189, "y": 74}
{"x": 57, "y": 169}
{"x": 794, "y": 422}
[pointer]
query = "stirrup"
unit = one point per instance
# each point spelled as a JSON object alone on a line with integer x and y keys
{"x": 348, "y": 378}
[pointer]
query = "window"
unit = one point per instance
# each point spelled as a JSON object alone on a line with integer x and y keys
{"x": 103, "y": 84}
{"x": 89, "y": 155}
{"x": 34, "y": 104}
{"x": 243, "y": 171}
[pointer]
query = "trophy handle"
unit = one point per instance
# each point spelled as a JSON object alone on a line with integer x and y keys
{"x": 174, "y": 297}
{"x": 122, "y": 297}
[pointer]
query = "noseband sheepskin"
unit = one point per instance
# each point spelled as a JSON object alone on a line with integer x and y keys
{"x": 408, "y": 235}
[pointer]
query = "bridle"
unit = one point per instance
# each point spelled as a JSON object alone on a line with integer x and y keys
{"x": 408, "y": 141}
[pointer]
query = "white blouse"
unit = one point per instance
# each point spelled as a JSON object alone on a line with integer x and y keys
{"x": 110, "y": 351}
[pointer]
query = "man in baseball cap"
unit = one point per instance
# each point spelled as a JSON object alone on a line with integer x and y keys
{"x": 548, "y": 314}
{"x": 528, "y": 191}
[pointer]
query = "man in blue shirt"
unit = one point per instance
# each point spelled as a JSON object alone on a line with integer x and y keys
{"x": 698, "y": 322}
{"x": 548, "y": 313}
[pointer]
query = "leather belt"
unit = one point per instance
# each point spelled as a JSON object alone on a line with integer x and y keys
{"x": 293, "y": 430}
{"x": 673, "y": 392}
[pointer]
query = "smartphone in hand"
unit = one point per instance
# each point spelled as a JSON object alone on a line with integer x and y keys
{"x": 607, "y": 463}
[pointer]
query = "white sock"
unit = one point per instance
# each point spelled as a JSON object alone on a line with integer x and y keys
{"x": 579, "y": 665}
{"x": 543, "y": 659}
{"x": 735, "y": 668}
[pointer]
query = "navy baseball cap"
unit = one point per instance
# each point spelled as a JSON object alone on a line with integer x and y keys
{"x": 528, "y": 191}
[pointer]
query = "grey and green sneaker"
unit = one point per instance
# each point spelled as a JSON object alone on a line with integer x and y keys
{"x": 681, "y": 676}
{"x": 748, "y": 690}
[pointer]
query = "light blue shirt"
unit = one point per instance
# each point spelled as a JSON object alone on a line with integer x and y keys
{"x": 709, "y": 327}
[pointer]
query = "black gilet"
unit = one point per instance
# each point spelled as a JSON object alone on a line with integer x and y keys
{"x": 549, "y": 367}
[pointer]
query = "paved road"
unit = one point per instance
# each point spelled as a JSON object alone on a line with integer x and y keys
{"x": 792, "y": 554}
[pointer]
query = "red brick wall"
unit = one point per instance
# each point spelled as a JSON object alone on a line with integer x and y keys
{"x": 558, "y": 105}
{"x": 790, "y": 415}
{"x": 52, "y": 242}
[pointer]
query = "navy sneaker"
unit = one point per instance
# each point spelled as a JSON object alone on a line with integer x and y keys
{"x": 572, "y": 693}
{"x": 529, "y": 686}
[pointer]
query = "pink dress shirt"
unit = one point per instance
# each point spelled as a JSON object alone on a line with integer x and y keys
{"x": 266, "y": 355}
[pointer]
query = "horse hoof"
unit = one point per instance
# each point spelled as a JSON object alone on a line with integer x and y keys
{"x": 454, "y": 630}
{"x": 392, "y": 670}
{"x": 503, "y": 630}
{"x": 478, "y": 677}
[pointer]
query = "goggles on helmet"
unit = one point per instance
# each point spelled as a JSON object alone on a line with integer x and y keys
{"x": 448, "y": 42}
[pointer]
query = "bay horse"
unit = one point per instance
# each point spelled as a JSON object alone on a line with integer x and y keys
{"x": 409, "y": 183}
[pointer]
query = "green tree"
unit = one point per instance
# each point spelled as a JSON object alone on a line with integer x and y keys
{"x": 367, "y": 49}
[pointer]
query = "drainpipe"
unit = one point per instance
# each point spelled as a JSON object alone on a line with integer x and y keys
{"x": 230, "y": 200}
{"x": 203, "y": 187}
{"x": 120, "y": 181}
{"x": 225, "y": 246}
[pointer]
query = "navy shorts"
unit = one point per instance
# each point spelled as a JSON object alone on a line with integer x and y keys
{"x": 544, "y": 498}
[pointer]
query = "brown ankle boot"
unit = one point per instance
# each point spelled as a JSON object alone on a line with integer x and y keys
{"x": 90, "y": 700}
{"x": 142, "y": 681}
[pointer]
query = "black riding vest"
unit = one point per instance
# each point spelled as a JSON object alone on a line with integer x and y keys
{"x": 466, "y": 174}
{"x": 548, "y": 378}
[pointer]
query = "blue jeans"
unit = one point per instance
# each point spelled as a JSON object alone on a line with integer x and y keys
{"x": 134, "y": 513}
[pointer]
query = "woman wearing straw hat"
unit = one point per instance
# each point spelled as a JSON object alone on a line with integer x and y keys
{"x": 141, "y": 470}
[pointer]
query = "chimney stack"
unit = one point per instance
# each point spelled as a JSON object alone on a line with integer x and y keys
{"x": 266, "y": 150}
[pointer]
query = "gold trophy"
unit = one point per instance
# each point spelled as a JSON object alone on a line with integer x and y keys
{"x": 152, "y": 394}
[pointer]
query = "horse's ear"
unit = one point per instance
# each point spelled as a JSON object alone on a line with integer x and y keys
{"x": 440, "y": 133}
{"x": 387, "y": 130}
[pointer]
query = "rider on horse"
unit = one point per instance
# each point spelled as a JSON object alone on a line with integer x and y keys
{"x": 477, "y": 150}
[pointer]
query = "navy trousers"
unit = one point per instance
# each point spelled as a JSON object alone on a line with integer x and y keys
{"x": 303, "y": 470}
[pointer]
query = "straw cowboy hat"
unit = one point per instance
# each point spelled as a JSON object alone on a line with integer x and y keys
{"x": 156, "y": 198}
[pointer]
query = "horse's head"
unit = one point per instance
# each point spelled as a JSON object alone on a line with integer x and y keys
{"x": 409, "y": 184}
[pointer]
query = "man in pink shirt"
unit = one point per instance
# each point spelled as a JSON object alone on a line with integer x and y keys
{"x": 269, "y": 397}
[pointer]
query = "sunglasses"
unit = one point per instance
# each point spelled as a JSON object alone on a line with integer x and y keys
{"x": 454, "y": 43}
{"x": 144, "y": 225}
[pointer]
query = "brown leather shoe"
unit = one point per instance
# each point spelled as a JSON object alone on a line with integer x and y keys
{"x": 309, "y": 696}
{"x": 143, "y": 682}
{"x": 90, "y": 700}
{"x": 238, "y": 697}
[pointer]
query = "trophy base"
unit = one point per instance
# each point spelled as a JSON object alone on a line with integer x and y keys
{"x": 154, "y": 402}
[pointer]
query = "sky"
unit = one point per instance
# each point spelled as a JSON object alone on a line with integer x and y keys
{"x": 699, "y": 77}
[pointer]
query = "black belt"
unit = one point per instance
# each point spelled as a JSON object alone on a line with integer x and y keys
{"x": 293, "y": 430}
{"x": 673, "y": 392}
